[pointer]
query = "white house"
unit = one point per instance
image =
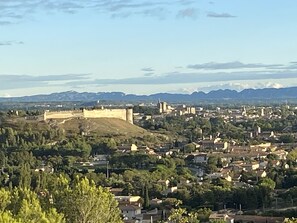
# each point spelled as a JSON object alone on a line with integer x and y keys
{"x": 200, "y": 158}
{"x": 130, "y": 211}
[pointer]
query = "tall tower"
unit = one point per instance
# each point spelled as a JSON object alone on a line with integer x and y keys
{"x": 262, "y": 112}
{"x": 129, "y": 115}
{"x": 162, "y": 106}
{"x": 243, "y": 111}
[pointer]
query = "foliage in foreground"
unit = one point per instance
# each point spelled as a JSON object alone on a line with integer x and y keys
{"x": 80, "y": 203}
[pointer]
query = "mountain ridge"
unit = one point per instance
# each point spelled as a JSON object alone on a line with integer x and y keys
{"x": 221, "y": 94}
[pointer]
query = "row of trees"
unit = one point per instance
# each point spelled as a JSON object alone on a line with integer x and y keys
{"x": 80, "y": 201}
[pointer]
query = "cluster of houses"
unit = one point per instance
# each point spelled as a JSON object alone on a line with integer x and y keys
{"x": 227, "y": 114}
{"x": 240, "y": 159}
{"x": 235, "y": 161}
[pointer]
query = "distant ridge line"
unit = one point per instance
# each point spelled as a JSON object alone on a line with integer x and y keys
{"x": 226, "y": 94}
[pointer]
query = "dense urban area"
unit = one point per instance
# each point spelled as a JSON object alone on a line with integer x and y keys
{"x": 175, "y": 163}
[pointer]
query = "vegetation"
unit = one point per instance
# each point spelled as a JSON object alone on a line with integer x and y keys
{"x": 80, "y": 202}
{"x": 48, "y": 173}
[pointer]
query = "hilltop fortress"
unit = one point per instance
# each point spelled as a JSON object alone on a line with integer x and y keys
{"x": 124, "y": 114}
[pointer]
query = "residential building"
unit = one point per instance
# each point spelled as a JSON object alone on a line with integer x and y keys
{"x": 200, "y": 158}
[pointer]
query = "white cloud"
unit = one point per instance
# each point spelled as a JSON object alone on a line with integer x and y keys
{"x": 237, "y": 86}
{"x": 231, "y": 65}
{"x": 10, "y": 43}
{"x": 6, "y": 95}
{"x": 29, "y": 81}
{"x": 188, "y": 13}
{"x": 220, "y": 15}
{"x": 15, "y": 11}
{"x": 272, "y": 85}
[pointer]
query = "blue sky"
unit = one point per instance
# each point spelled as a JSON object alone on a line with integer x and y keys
{"x": 146, "y": 46}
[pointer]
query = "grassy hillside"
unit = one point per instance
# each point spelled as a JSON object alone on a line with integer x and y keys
{"x": 99, "y": 126}
{"x": 102, "y": 126}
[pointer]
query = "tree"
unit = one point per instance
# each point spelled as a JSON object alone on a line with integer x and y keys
{"x": 171, "y": 202}
{"x": 25, "y": 176}
{"x": 291, "y": 220}
{"x": 272, "y": 156}
{"x": 6, "y": 217}
{"x": 189, "y": 148}
{"x": 212, "y": 164}
{"x": 146, "y": 197}
{"x": 32, "y": 212}
{"x": 23, "y": 205}
{"x": 203, "y": 214}
{"x": 292, "y": 156}
{"x": 266, "y": 186}
{"x": 180, "y": 215}
{"x": 267, "y": 182}
{"x": 286, "y": 138}
{"x": 86, "y": 203}
{"x": 4, "y": 199}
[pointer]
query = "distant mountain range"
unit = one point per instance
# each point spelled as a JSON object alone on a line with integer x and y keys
{"x": 217, "y": 95}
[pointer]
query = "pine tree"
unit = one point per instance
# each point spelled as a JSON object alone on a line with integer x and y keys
{"x": 86, "y": 203}
{"x": 146, "y": 197}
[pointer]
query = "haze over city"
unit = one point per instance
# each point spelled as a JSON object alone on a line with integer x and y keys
{"x": 144, "y": 47}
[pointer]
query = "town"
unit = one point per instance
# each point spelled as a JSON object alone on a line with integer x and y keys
{"x": 172, "y": 161}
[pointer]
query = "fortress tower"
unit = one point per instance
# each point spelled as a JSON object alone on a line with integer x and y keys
{"x": 162, "y": 105}
{"x": 129, "y": 115}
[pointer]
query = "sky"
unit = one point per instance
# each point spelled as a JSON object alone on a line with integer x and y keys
{"x": 146, "y": 46}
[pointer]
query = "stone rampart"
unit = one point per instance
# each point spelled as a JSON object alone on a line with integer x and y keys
{"x": 124, "y": 114}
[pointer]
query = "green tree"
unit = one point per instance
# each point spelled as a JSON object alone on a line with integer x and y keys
{"x": 146, "y": 203}
{"x": 286, "y": 138}
{"x": 180, "y": 215}
{"x": 203, "y": 214}
{"x": 25, "y": 176}
{"x": 292, "y": 156}
{"x": 6, "y": 217}
{"x": 86, "y": 203}
{"x": 23, "y": 206}
{"x": 189, "y": 148}
{"x": 4, "y": 199}
{"x": 32, "y": 212}
{"x": 267, "y": 182}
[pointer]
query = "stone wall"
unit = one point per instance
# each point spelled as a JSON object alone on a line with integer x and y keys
{"x": 106, "y": 113}
{"x": 62, "y": 114}
{"x": 124, "y": 114}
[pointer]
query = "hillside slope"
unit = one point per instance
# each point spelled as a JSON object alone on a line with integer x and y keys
{"x": 98, "y": 127}
{"x": 102, "y": 126}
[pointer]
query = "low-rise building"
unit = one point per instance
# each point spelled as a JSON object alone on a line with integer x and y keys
{"x": 221, "y": 217}
{"x": 128, "y": 148}
{"x": 169, "y": 190}
{"x": 130, "y": 211}
{"x": 214, "y": 144}
{"x": 130, "y": 206}
{"x": 200, "y": 158}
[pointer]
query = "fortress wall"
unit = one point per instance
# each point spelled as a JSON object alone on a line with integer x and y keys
{"x": 124, "y": 114}
{"x": 106, "y": 113}
{"x": 63, "y": 115}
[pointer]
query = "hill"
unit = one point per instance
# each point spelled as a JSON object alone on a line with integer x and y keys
{"x": 100, "y": 127}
